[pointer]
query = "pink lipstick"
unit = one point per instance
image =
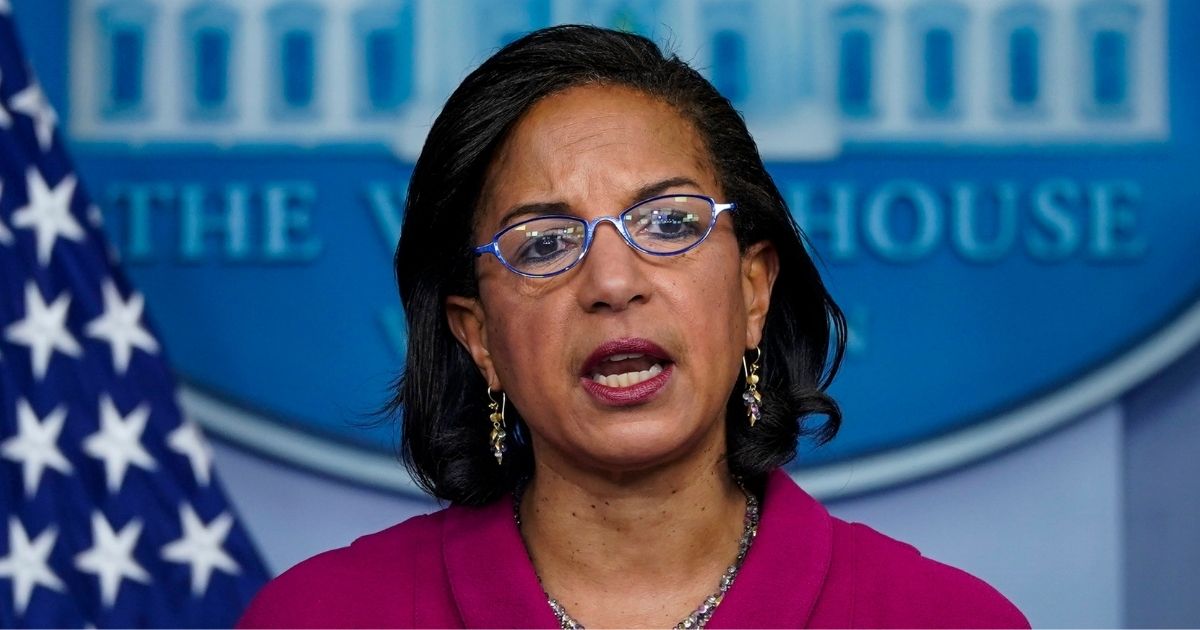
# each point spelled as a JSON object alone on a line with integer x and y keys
{"x": 625, "y": 372}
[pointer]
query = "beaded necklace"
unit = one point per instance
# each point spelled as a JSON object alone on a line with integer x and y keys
{"x": 699, "y": 617}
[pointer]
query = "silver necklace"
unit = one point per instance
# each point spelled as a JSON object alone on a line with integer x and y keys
{"x": 699, "y": 617}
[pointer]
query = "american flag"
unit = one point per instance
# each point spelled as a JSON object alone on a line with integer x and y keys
{"x": 110, "y": 514}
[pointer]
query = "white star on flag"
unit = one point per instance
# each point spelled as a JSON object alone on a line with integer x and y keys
{"x": 5, "y": 117}
{"x": 44, "y": 329}
{"x": 48, "y": 213}
{"x": 36, "y": 445}
{"x": 119, "y": 442}
{"x": 188, "y": 441}
{"x": 110, "y": 557}
{"x": 202, "y": 547}
{"x": 120, "y": 326}
{"x": 32, "y": 102}
{"x": 27, "y": 563}
{"x": 6, "y": 237}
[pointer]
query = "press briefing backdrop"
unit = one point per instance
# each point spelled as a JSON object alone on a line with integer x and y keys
{"x": 1002, "y": 192}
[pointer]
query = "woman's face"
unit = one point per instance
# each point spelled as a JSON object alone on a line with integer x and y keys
{"x": 592, "y": 151}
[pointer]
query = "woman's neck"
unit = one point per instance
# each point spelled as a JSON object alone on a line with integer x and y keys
{"x": 635, "y": 549}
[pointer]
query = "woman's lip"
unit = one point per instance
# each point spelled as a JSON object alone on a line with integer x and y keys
{"x": 629, "y": 345}
{"x": 632, "y": 395}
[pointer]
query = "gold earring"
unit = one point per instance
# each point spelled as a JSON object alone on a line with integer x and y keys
{"x": 497, "y": 418}
{"x": 752, "y": 398}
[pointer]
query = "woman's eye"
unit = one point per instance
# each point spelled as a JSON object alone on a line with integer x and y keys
{"x": 670, "y": 224}
{"x": 544, "y": 246}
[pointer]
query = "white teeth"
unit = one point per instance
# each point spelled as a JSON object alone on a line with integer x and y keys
{"x": 628, "y": 379}
{"x": 622, "y": 357}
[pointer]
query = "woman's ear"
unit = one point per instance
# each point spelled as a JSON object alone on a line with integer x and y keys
{"x": 760, "y": 267}
{"x": 468, "y": 322}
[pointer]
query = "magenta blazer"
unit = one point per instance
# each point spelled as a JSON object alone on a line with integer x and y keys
{"x": 467, "y": 567}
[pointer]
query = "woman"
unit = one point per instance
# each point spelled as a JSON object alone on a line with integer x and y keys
{"x": 616, "y": 339}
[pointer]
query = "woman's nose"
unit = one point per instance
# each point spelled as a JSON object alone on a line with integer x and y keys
{"x": 614, "y": 275}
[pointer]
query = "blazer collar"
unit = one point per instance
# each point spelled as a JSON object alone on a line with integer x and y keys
{"x": 495, "y": 585}
{"x": 784, "y": 571}
{"x": 490, "y": 574}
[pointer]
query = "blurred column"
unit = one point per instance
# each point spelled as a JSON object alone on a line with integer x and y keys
{"x": 1162, "y": 488}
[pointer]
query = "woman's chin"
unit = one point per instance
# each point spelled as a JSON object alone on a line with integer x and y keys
{"x": 639, "y": 445}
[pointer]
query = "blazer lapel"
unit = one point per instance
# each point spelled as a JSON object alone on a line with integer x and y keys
{"x": 492, "y": 580}
{"x": 783, "y": 573}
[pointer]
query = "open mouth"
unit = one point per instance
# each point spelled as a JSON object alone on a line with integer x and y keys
{"x": 623, "y": 363}
{"x": 626, "y": 370}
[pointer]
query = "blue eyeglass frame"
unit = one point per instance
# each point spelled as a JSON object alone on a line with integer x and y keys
{"x": 493, "y": 247}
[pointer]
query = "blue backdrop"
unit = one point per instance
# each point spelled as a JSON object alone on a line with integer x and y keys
{"x": 1002, "y": 195}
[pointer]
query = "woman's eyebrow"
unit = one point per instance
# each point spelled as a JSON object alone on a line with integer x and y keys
{"x": 657, "y": 188}
{"x": 560, "y": 207}
{"x": 536, "y": 208}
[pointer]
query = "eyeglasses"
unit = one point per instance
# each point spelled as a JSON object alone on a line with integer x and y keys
{"x": 546, "y": 246}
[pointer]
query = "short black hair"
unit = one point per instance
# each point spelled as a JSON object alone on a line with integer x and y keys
{"x": 441, "y": 397}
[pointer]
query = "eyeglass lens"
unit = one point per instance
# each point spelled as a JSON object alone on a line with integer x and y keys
{"x": 664, "y": 225}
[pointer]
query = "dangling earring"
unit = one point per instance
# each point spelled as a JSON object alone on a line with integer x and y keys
{"x": 497, "y": 418}
{"x": 752, "y": 397}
